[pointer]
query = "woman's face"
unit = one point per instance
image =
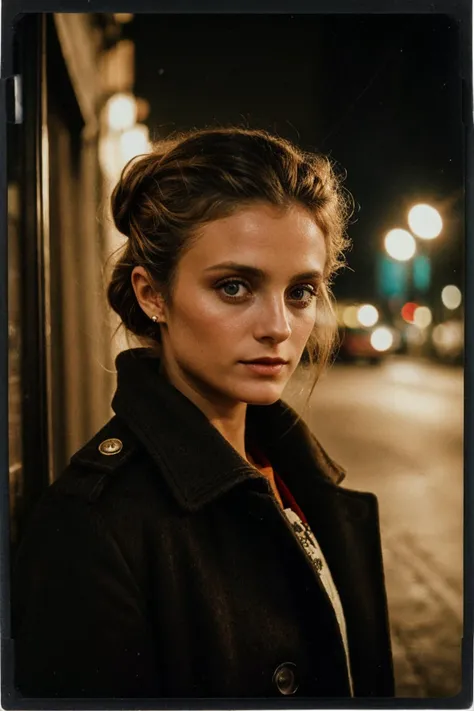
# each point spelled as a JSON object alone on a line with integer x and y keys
{"x": 246, "y": 290}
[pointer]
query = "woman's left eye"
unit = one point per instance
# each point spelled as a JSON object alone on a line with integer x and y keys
{"x": 304, "y": 294}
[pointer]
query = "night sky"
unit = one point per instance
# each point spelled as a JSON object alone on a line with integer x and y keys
{"x": 381, "y": 94}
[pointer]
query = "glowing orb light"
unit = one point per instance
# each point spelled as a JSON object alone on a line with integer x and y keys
{"x": 425, "y": 221}
{"x": 400, "y": 245}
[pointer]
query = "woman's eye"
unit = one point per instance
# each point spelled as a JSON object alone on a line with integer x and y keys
{"x": 303, "y": 294}
{"x": 237, "y": 289}
{"x": 233, "y": 288}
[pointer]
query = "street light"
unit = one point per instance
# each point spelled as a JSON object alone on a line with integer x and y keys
{"x": 121, "y": 112}
{"x": 381, "y": 339}
{"x": 367, "y": 315}
{"x": 422, "y": 317}
{"x": 349, "y": 316}
{"x": 451, "y": 297}
{"x": 134, "y": 142}
{"x": 425, "y": 221}
{"x": 400, "y": 245}
{"x": 123, "y": 17}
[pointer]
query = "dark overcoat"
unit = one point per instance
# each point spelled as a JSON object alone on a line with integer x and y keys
{"x": 159, "y": 564}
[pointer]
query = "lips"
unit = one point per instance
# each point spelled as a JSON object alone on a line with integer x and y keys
{"x": 266, "y": 361}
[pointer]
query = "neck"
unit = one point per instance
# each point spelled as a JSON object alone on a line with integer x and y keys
{"x": 228, "y": 417}
{"x": 231, "y": 425}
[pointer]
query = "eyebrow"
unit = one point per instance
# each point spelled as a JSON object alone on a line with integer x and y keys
{"x": 260, "y": 273}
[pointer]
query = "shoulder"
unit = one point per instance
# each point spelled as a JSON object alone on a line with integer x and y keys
{"x": 105, "y": 501}
{"x": 112, "y": 451}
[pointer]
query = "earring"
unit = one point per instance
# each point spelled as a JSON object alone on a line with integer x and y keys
{"x": 154, "y": 318}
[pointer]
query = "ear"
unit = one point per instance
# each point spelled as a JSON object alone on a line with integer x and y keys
{"x": 150, "y": 300}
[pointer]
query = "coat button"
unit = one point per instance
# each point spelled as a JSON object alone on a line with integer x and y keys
{"x": 110, "y": 446}
{"x": 284, "y": 678}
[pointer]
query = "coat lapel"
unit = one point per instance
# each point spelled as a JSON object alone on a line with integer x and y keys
{"x": 199, "y": 465}
{"x": 195, "y": 459}
{"x": 346, "y": 525}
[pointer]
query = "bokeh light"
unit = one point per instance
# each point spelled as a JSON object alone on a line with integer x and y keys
{"x": 400, "y": 245}
{"x": 135, "y": 142}
{"x": 350, "y": 316}
{"x": 381, "y": 339}
{"x": 121, "y": 112}
{"x": 451, "y": 297}
{"x": 448, "y": 338}
{"x": 367, "y": 315}
{"x": 425, "y": 221}
{"x": 415, "y": 336}
{"x": 408, "y": 311}
{"x": 422, "y": 317}
{"x": 123, "y": 17}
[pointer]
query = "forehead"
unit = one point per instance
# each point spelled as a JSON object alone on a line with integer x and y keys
{"x": 262, "y": 235}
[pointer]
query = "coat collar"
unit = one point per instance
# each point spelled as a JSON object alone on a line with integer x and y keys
{"x": 194, "y": 458}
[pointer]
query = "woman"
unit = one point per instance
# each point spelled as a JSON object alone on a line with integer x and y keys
{"x": 199, "y": 545}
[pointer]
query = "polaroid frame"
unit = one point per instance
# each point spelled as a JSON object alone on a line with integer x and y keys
{"x": 461, "y": 13}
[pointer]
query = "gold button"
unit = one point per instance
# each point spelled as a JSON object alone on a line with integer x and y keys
{"x": 110, "y": 446}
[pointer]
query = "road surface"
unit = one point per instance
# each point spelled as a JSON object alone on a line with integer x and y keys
{"x": 397, "y": 429}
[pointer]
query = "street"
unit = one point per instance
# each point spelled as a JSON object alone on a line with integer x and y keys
{"x": 397, "y": 430}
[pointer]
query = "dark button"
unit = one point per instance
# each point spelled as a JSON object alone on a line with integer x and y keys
{"x": 284, "y": 678}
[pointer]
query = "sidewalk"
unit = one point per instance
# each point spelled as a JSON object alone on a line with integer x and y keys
{"x": 426, "y": 621}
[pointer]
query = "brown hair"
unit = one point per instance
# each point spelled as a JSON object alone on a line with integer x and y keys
{"x": 164, "y": 197}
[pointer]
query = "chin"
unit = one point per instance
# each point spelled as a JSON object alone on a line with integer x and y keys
{"x": 263, "y": 401}
{"x": 262, "y": 394}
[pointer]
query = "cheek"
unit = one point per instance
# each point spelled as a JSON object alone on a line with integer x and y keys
{"x": 203, "y": 320}
{"x": 304, "y": 325}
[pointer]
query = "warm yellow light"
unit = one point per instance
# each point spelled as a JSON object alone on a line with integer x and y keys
{"x": 422, "y": 317}
{"x": 367, "y": 315}
{"x": 134, "y": 142}
{"x": 448, "y": 337}
{"x": 400, "y": 245}
{"x": 349, "y": 316}
{"x": 415, "y": 336}
{"x": 121, "y": 112}
{"x": 123, "y": 17}
{"x": 443, "y": 336}
{"x": 451, "y": 297}
{"x": 425, "y": 221}
{"x": 381, "y": 339}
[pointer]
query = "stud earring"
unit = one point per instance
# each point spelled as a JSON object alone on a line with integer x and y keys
{"x": 154, "y": 318}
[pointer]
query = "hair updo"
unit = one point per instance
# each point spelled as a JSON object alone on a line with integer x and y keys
{"x": 164, "y": 197}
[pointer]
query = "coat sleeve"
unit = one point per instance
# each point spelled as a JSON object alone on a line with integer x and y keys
{"x": 79, "y": 618}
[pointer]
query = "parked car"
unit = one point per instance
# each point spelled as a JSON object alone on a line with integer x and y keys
{"x": 356, "y": 345}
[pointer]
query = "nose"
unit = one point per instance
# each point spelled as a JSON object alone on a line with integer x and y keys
{"x": 272, "y": 321}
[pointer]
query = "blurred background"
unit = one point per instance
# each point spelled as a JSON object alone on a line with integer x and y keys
{"x": 380, "y": 94}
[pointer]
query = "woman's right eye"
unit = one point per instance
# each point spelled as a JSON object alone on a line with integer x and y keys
{"x": 233, "y": 288}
